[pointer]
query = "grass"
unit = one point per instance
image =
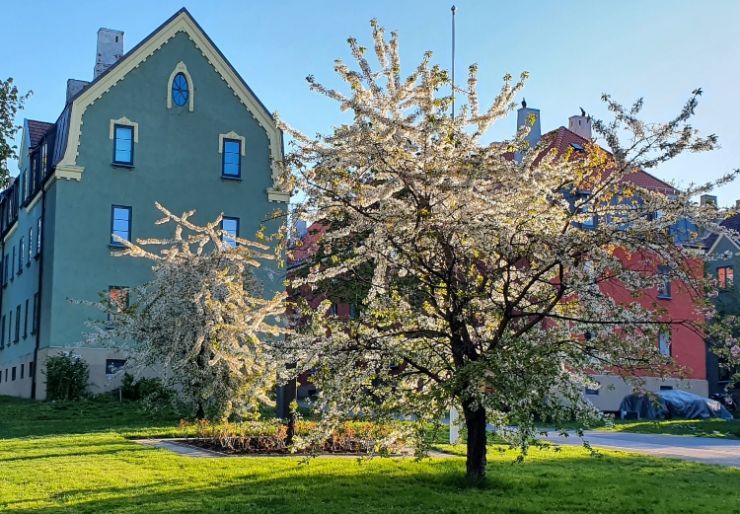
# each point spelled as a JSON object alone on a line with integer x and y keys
{"x": 77, "y": 459}
{"x": 717, "y": 428}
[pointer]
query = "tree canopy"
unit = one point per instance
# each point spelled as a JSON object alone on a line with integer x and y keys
{"x": 485, "y": 282}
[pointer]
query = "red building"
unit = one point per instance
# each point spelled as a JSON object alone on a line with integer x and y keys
{"x": 683, "y": 340}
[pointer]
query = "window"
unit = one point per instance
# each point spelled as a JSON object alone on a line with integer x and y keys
{"x": 725, "y": 276}
{"x": 30, "y": 369}
{"x": 230, "y": 228}
{"x": 17, "y": 324}
{"x": 35, "y": 317}
{"x": 353, "y": 312}
{"x": 232, "y": 151}
{"x": 117, "y": 300}
{"x": 30, "y": 247}
{"x": 22, "y": 369}
{"x": 2, "y": 336}
{"x": 12, "y": 374}
{"x": 664, "y": 282}
{"x": 666, "y": 388}
{"x": 5, "y": 269}
{"x": 334, "y": 309}
{"x": 180, "y": 90}
{"x": 25, "y": 322}
{"x": 10, "y": 326}
{"x": 38, "y": 236}
{"x": 113, "y": 366}
{"x": 44, "y": 159}
{"x": 120, "y": 224}
{"x": 12, "y": 266}
{"x": 21, "y": 254}
{"x": 123, "y": 145}
{"x": 664, "y": 341}
{"x": 584, "y": 207}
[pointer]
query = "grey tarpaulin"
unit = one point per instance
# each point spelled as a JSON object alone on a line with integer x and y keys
{"x": 672, "y": 404}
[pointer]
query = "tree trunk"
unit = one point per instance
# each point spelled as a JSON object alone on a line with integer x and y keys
{"x": 200, "y": 414}
{"x": 475, "y": 422}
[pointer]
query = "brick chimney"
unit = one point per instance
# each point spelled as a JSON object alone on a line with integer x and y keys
{"x": 708, "y": 200}
{"x": 580, "y": 124}
{"x": 525, "y": 117}
{"x": 110, "y": 49}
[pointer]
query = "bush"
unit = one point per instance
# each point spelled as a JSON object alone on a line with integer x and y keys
{"x": 356, "y": 437}
{"x": 67, "y": 376}
{"x": 149, "y": 391}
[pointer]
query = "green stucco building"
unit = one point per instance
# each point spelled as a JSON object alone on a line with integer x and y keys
{"x": 170, "y": 121}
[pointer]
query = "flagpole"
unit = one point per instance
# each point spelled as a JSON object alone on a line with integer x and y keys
{"x": 453, "y": 9}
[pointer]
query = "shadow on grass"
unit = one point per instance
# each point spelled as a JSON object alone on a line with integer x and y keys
{"x": 547, "y": 482}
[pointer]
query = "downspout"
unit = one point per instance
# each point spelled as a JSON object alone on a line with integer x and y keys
{"x": 37, "y": 318}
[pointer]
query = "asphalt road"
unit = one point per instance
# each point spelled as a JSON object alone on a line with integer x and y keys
{"x": 699, "y": 449}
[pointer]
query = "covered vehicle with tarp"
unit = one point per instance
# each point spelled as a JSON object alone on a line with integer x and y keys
{"x": 671, "y": 405}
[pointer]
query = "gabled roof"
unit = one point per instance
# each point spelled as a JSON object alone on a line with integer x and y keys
{"x": 181, "y": 21}
{"x": 36, "y": 130}
{"x": 731, "y": 223}
{"x": 563, "y": 139}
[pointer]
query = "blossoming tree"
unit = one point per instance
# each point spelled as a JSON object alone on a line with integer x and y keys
{"x": 481, "y": 285}
{"x": 202, "y": 319}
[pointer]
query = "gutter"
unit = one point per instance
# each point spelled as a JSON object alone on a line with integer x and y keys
{"x": 37, "y": 318}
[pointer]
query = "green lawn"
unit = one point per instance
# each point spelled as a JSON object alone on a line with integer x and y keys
{"x": 77, "y": 459}
{"x": 718, "y": 428}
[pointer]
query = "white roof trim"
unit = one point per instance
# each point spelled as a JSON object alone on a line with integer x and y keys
{"x": 716, "y": 242}
{"x": 180, "y": 23}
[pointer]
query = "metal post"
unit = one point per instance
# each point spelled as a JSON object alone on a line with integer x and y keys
{"x": 454, "y": 426}
{"x": 453, "y": 9}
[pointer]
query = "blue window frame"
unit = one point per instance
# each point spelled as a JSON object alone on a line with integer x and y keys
{"x": 180, "y": 91}
{"x": 123, "y": 145}
{"x": 21, "y": 254}
{"x": 120, "y": 223}
{"x": 17, "y": 324}
{"x": 230, "y": 227}
{"x": 232, "y": 158}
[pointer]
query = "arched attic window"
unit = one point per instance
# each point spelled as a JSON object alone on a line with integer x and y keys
{"x": 180, "y": 91}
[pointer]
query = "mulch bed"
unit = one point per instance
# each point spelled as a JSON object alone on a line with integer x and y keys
{"x": 270, "y": 446}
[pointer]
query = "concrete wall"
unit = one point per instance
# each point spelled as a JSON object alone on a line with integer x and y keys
{"x": 613, "y": 389}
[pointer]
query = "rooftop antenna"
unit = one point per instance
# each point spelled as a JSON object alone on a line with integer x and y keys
{"x": 453, "y": 9}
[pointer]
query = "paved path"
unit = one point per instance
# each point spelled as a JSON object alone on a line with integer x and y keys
{"x": 700, "y": 449}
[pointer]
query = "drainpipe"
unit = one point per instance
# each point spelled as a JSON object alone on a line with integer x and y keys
{"x": 37, "y": 318}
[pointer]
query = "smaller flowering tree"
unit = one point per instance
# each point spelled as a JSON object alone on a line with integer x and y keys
{"x": 202, "y": 318}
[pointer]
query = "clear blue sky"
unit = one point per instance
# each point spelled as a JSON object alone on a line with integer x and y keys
{"x": 573, "y": 49}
